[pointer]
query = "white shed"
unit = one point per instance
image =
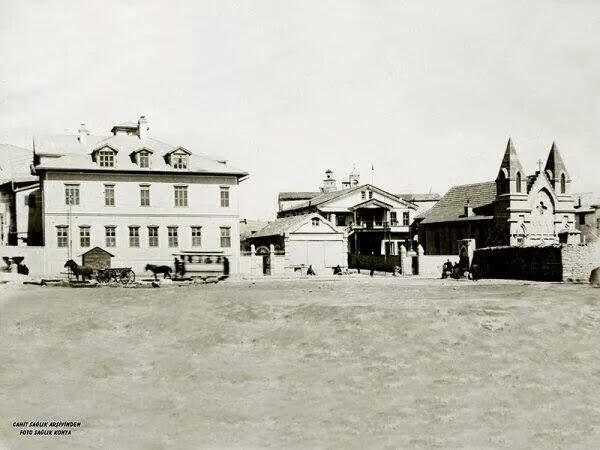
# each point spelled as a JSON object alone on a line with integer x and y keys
{"x": 309, "y": 239}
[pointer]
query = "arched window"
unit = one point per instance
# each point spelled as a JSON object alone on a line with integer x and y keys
{"x": 518, "y": 181}
{"x": 563, "y": 183}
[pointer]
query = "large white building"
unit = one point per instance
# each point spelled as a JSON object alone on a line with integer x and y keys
{"x": 138, "y": 198}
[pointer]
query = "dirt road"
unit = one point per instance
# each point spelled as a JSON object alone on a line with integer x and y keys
{"x": 352, "y": 363}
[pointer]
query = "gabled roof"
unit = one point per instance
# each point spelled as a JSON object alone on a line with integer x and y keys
{"x": 372, "y": 203}
{"x": 250, "y": 227}
{"x": 452, "y": 205}
{"x": 97, "y": 248}
{"x": 285, "y": 225}
{"x": 324, "y": 197}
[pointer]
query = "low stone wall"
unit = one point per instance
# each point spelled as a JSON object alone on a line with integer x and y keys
{"x": 520, "y": 263}
{"x": 430, "y": 266}
{"x": 579, "y": 260}
{"x": 253, "y": 265}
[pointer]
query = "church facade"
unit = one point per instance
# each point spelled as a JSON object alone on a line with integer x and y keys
{"x": 513, "y": 210}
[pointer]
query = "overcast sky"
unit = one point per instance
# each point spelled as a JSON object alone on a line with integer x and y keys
{"x": 426, "y": 91}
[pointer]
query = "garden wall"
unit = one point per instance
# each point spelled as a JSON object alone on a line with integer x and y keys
{"x": 520, "y": 263}
{"x": 430, "y": 266}
{"x": 579, "y": 260}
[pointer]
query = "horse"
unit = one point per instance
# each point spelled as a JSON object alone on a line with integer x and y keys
{"x": 77, "y": 270}
{"x": 165, "y": 270}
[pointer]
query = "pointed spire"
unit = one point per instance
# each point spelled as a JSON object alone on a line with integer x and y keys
{"x": 555, "y": 163}
{"x": 510, "y": 161}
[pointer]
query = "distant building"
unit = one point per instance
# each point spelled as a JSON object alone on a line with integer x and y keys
{"x": 374, "y": 221}
{"x": 587, "y": 215}
{"x": 305, "y": 240}
{"x": 513, "y": 210}
{"x": 133, "y": 196}
{"x": 20, "y": 199}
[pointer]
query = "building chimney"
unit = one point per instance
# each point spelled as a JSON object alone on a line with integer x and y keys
{"x": 143, "y": 127}
{"x": 468, "y": 209}
{"x": 329, "y": 182}
{"x": 83, "y": 134}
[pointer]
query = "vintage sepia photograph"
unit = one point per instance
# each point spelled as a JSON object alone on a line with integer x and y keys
{"x": 274, "y": 224}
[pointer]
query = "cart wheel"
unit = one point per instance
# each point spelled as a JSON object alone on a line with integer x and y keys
{"x": 127, "y": 276}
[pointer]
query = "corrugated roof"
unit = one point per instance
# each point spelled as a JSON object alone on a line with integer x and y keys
{"x": 280, "y": 226}
{"x": 452, "y": 205}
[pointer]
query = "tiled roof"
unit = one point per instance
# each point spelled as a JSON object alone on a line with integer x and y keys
{"x": 452, "y": 205}
{"x": 417, "y": 197}
{"x": 81, "y": 158}
{"x": 249, "y": 227}
{"x": 297, "y": 195}
{"x": 280, "y": 226}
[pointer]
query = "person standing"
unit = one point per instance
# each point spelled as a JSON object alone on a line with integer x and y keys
{"x": 371, "y": 267}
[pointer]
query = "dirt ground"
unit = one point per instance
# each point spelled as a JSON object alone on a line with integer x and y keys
{"x": 351, "y": 363}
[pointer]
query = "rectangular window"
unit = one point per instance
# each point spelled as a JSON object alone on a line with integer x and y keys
{"x": 405, "y": 218}
{"x": 179, "y": 161}
{"x": 340, "y": 220}
{"x": 152, "y": 236}
{"x": 370, "y": 194}
{"x": 225, "y": 237}
{"x": 109, "y": 195}
{"x": 134, "y": 236}
{"x": 224, "y": 196}
{"x": 394, "y": 218}
{"x": 196, "y": 236}
{"x": 144, "y": 195}
{"x": 71, "y": 194}
{"x": 62, "y": 236}
{"x": 106, "y": 158}
{"x": 363, "y": 195}
{"x": 173, "y": 237}
{"x": 582, "y": 219}
{"x": 84, "y": 236}
{"x": 181, "y": 195}
{"x": 111, "y": 236}
{"x": 144, "y": 159}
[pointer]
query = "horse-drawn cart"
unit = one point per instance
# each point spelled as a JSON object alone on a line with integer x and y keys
{"x": 122, "y": 275}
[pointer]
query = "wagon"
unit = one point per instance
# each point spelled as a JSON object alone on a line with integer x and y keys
{"x": 205, "y": 265}
{"x": 117, "y": 274}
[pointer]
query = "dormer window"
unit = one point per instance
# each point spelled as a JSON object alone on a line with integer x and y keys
{"x": 179, "y": 161}
{"x": 144, "y": 159}
{"x": 141, "y": 157}
{"x": 178, "y": 158}
{"x": 106, "y": 158}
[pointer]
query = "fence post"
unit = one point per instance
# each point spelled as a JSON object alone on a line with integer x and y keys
{"x": 420, "y": 258}
{"x": 404, "y": 265}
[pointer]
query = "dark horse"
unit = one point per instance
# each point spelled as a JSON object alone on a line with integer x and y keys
{"x": 166, "y": 270}
{"x": 77, "y": 270}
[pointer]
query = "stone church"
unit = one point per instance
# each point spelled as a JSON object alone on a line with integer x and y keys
{"x": 514, "y": 210}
